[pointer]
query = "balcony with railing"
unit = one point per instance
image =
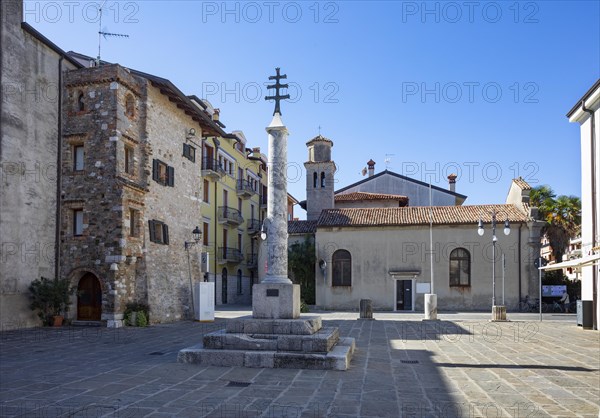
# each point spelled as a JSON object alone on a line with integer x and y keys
{"x": 211, "y": 168}
{"x": 253, "y": 226}
{"x": 244, "y": 189}
{"x": 229, "y": 216}
{"x": 252, "y": 261}
{"x": 230, "y": 255}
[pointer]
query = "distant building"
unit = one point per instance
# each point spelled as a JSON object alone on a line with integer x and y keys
{"x": 373, "y": 243}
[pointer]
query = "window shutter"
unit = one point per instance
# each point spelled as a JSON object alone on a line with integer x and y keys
{"x": 152, "y": 234}
{"x": 192, "y": 152}
{"x": 165, "y": 234}
{"x": 155, "y": 170}
{"x": 170, "y": 176}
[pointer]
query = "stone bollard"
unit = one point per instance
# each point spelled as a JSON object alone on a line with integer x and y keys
{"x": 498, "y": 313}
{"x": 366, "y": 309}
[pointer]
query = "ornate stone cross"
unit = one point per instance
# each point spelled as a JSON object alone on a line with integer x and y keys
{"x": 277, "y": 97}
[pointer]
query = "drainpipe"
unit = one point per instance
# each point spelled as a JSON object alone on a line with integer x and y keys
{"x": 519, "y": 256}
{"x": 58, "y": 175}
{"x": 594, "y": 226}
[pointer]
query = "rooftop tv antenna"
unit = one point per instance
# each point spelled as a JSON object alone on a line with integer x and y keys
{"x": 388, "y": 160}
{"x": 104, "y": 33}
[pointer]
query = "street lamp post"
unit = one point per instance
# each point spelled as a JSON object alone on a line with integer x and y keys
{"x": 498, "y": 312}
{"x": 197, "y": 235}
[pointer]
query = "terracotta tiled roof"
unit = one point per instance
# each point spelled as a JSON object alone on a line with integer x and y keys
{"x": 302, "y": 227}
{"x": 522, "y": 183}
{"x": 358, "y": 196}
{"x": 419, "y": 215}
{"x": 319, "y": 138}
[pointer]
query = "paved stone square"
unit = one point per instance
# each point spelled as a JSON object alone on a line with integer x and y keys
{"x": 460, "y": 366}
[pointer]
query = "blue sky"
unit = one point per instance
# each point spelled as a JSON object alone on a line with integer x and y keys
{"x": 477, "y": 88}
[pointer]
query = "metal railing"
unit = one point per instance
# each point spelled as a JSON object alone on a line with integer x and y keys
{"x": 230, "y": 255}
{"x": 229, "y": 215}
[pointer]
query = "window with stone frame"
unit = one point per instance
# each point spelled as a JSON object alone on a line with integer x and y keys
{"x": 134, "y": 220}
{"x": 189, "y": 152}
{"x": 460, "y": 267}
{"x": 341, "y": 266}
{"x": 129, "y": 161}
{"x": 130, "y": 106}
{"x": 322, "y": 179}
{"x": 78, "y": 157}
{"x": 77, "y": 222}
{"x": 159, "y": 232}
{"x": 163, "y": 173}
{"x": 80, "y": 105}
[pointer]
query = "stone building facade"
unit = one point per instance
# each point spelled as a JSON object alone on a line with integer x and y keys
{"x": 30, "y": 129}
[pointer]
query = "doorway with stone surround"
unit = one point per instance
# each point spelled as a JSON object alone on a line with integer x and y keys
{"x": 89, "y": 298}
{"x": 224, "y": 286}
{"x": 404, "y": 295}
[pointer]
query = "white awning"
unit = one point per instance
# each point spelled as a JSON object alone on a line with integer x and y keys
{"x": 578, "y": 262}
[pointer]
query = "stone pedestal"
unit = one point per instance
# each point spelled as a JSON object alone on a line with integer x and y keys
{"x": 274, "y": 300}
{"x": 430, "y": 306}
{"x": 366, "y": 309}
{"x": 498, "y": 313}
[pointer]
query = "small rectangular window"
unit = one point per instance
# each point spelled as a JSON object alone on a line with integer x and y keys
{"x": 189, "y": 152}
{"x": 205, "y": 234}
{"x": 206, "y": 191}
{"x": 159, "y": 232}
{"x": 128, "y": 159}
{"x": 78, "y": 222}
{"x": 163, "y": 173}
{"x": 78, "y": 157}
{"x": 133, "y": 223}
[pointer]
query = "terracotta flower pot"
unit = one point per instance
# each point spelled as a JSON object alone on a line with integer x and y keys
{"x": 58, "y": 320}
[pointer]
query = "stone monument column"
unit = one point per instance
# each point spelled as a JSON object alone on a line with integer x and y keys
{"x": 276, "y": 297}
{"x": 276, "y": 222}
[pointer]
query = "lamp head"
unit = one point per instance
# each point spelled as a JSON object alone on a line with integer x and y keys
{"x": 263, "y": 231}
{"x": 506, "y": 227}
{"x": 197, "y": 234}
{"x": 480, "y": 228}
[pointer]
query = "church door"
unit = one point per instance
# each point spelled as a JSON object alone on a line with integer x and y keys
{"x": 404, "y": 295}
{"x": 89, "y": 298}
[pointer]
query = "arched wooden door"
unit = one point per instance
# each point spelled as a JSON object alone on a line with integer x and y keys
{"x": 89, "y": 298}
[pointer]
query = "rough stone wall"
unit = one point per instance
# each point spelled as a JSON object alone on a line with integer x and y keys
{"x": 319, "y": 198}
{"x": 95, "y": 110}
{"x": 28, "y": 164}
{"x": 179, "y": 207}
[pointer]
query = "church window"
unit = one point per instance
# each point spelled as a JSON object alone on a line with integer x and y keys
{"x": 322, "y": 179}
{"x": 315, "y": 180}
{"x": 77, "y": 222}
{"x": 341, "y": 268}
{"x": 460, "y": 267}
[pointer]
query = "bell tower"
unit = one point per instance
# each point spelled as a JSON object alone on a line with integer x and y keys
{"x": 320, "y": 170}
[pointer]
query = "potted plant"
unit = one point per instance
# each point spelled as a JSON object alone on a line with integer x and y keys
{"x": 50, "y": 298}
{"x": 137, "y": 314}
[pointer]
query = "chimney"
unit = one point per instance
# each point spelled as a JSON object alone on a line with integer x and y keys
{"x": 452, "y": 182}
{"x": 371, "y": 165}
{"x": 215, "y": 115}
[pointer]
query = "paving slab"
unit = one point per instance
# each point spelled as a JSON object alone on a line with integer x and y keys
{"x": 464, "y": 367}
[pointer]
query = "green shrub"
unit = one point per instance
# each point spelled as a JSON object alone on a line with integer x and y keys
{"x": 303, "y": 307}
{"x": 50, "y": 297}
{"x": 137, "y": 307}
{"x": 141, "y": 320}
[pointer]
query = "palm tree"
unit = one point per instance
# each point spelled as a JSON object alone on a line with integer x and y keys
{"x": 562, "y": 215}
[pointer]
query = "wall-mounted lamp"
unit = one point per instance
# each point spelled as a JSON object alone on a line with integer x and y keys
{"x": 191, "y": 133}
{"x": 263, "y": 231}
{"x": 197, "y": 235}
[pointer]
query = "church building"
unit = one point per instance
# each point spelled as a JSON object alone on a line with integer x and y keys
{"x": 372, "y": 241}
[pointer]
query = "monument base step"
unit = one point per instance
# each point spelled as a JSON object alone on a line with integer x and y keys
{"x": 337, "y": 359}
{"x": 320, "y": 342}
{"x": 305, "y": 325}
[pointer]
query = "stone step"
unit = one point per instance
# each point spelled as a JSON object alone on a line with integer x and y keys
{"x": 305, "y": 325}
{"x": 337, "y": 359}
{"x": 78, "y": 323}
{"x": 320, "y": 342}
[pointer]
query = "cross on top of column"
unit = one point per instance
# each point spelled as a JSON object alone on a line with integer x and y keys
{"x": 277, "y": 97}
